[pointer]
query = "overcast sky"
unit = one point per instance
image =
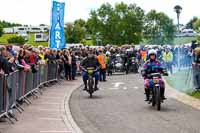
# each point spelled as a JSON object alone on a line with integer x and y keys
{"x": 36, "y": 12}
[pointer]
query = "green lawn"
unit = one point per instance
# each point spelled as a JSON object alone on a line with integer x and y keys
{"x": 178, "y": 41}
{"x": 184, "y": 40}
{"x": 5, "y": 37}
{"x": 3, "y": 40}
{"x": 32, "y": 42}
{"x": 195, "y": 94}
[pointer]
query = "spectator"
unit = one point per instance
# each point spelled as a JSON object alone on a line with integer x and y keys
{"x": 67, "y": 64}
{"x": 74, "y": 65}
{"x": 196, "y": 68}
{"x": 168, "y": 59}
{"x": 101, "y": 60}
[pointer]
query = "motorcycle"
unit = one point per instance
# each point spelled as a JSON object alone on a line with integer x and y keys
{"x": 155, "y": 91}
{"x": 90, "y": 82}
{"x": 134, "y": 65}
{"x": 118, "y": 64}
{"x": 155, "y": 97}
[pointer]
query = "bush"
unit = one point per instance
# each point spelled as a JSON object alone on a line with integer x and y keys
{"x": 17, "y": 40}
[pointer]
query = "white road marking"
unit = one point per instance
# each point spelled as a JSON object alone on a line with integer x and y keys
{"x": 55, "y": 131}
{"x": 49, "y": 110}
{"x": 51, "y": 97}
{"x": 136, "y": 88}
{"x": 51, "y": 119}
{"x": 113, "y": 88}
{"x": 50, "y": 103}
{"x": 125, "y": 88}
{"x": 117, "y": 84}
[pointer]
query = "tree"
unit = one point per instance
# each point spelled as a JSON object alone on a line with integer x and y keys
{"x": 75, "y": 32}
{"x": 196, "y": 25}
{"x": 1, "y": 31}
{"x": 121, "y": 24}
{"x": 159, "y": 28}
{"x": 5, "y": 24}
{"x": 189, "y": 25}
{"x": 17, "y": 40}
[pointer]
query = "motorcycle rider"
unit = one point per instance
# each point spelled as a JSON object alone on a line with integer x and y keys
{"x": 127, "y": 60}
{"x": 90, "y": 61}
{"x": 152, "y": 66}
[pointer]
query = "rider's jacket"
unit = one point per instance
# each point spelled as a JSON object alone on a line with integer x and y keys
{"x": 152, "y": 67}
{"x": 90, "y": 62}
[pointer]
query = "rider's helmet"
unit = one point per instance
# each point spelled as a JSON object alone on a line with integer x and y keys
{"x": 152, "y": 52}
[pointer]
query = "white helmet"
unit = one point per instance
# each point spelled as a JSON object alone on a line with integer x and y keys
{"x": 152, "y": 51}
{"x": 107, "y": 53}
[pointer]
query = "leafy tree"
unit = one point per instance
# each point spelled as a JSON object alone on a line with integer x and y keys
{"x": 1, "y": 31}
{"x": 196, "y": 25}
{"x": 75, "y": 32}
{"x": 17, "y": 40}
{"x": 117, "y": 25}
{"x": 159, "y": 28}
{"x": 189, "y": 25}
{"x": 5, "y": 24}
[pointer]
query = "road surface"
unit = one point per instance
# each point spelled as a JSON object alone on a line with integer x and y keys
{"x": 119, "y": 107}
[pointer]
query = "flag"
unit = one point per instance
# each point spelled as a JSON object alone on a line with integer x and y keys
{"x": 57, "y": 33}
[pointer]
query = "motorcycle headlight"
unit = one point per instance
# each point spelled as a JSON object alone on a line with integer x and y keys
{"x": 90, "y": 71}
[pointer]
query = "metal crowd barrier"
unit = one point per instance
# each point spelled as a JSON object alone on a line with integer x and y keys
{"x": 17, "y": 86}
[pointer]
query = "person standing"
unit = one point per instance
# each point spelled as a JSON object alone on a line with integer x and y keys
{"x": 168, "y": 59}
{"x": 74, "y": 65}
{"x": 67, "y": 64}
{"x": 196, "y": 68}
{"x": 101, "y": 60}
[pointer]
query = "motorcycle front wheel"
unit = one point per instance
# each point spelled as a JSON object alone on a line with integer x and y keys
{"x": 158, "y": 98}
{"x": 91, "y": 86}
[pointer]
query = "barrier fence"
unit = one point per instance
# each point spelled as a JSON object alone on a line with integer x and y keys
{"x": 17, "y": 86}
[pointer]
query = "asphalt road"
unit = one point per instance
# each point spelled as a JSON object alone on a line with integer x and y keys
{"x": 119, "y": 107}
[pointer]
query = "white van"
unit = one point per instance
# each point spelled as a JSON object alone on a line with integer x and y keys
{"x": 40, "y": 37}
{"x": 8, "y": 30}
{"x": 20, "y": 29}
{"x": 36, "y": 30}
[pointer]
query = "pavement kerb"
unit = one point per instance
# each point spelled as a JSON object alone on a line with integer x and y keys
{"x": 182, "y": 97}
{"x": 66, "y": 112}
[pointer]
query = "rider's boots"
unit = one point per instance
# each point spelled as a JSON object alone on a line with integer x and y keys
{"x": 96, "y": 85}
{"x": 147, "y": 92}
{"x": 85, "y": 83}
{"x": 162, "y": 92}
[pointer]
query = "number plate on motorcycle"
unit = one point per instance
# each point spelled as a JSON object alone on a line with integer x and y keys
{"x": 155, "y": 81}
{"x": 90, "y": 71}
